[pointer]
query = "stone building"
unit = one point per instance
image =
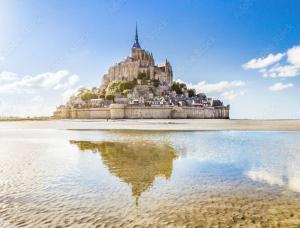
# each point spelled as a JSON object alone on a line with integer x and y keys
{"x": 140, "y": 61}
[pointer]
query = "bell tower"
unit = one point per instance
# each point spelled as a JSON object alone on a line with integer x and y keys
{"x": 136, "y": 50}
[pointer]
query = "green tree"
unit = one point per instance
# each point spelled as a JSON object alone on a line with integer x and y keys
{"x": 143, "y": 76}
{"x": 109, "y": 97}
{"x": 83, "y": 90}
{"x": 191, "y": 92}
{"x": 125, "y": 92}
{"x": 102, "y": 94}
{"x": 112, "y": 85}
{"x": 125, "y": 85}
{"x": 88, "y": 95}
{"x": 178, "y": 87}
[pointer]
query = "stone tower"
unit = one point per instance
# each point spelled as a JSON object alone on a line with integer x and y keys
{"x": 140, "y": 61}
{"x": 138, "y": 54}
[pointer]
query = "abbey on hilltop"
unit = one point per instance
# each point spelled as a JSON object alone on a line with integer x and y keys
{"x": 140, "y": 62}
{"x": 137, "y": 87}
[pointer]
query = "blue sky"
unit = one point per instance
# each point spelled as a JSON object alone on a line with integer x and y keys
{"x": 244, "y": 52}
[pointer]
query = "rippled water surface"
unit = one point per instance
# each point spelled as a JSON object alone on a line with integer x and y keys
{"x": 60, "y": 178}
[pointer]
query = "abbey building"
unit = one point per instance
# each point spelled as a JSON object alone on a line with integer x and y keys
{"x": 140, "y": 61}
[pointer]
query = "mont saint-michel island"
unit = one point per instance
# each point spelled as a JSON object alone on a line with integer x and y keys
{"x": 139, "y": 88}
{"x": 133, "y": 114}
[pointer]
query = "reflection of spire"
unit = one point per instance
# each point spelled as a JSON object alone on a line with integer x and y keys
{"x": 135, "y": 163}
{"x": 136, "y": 43}
{"x": 137, "y": 201}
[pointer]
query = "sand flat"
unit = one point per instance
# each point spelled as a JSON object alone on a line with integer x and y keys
{"x": 63, "y": 178}
{"x": 159, "y": 124}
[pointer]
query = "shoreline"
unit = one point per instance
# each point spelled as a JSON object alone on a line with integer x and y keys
{"x": 15, "y": 119}
{"x": 157, "y": 124}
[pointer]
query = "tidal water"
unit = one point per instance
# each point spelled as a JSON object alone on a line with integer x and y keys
{"x": 89, "y": 178}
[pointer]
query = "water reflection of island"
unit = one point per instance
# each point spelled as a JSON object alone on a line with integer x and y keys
{"x": 137, "y": 163}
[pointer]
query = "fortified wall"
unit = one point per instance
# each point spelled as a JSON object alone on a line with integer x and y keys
{"x": 121, "y": 111}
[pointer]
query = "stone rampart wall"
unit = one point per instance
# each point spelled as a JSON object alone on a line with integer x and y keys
{"x": 121, "y": 111}
{"x": 148, "y": 112}
{"x": 89, "y": 113}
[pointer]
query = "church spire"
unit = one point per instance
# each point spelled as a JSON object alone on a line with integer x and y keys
{"x": 136, "y": 33}
{"x": 136, "y": 43}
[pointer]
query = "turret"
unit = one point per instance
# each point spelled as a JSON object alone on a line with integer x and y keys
{"x": 169, "y": 71}
{"x": 152, "y": 59}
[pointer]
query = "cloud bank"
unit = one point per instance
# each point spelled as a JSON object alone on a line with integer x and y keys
{"x": 263, "y": 62}
{"x": 11, "y": 83}
{"x": 272, "y": 66}
{"x": 35, "y": 94}
{"x": 280, "y": 86}
{"x": 227, "y": 90}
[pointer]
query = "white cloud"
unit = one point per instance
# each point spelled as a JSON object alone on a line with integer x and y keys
{"x": 29, "y": 84}
{"x": 263, "y": 62}
{"x": 231, "y": 95}
{"x": 9, "y": 109}
{"x": 38, "y": 99}
{"x": 293, "y": 55}
{"x": 282, "y": 71}
{"x": 280, "y": 86}
{"x": 49, "y": 79}
{"x": 204, "y": 87}
{"x": 291, "y": 67}
{"x": 227, "y": 90}
{"x": 7, "y": 77}
{"x": 71, "y": 81}
{"x": 35, "y": 95}
{"x": 70, "y": 92}
{"x": 2, "y": 58}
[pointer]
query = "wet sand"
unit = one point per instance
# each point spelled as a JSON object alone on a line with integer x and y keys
{"x": 50, "y": 177}
{"x": 201, "y": 210}
{"x": 161, "y": 125}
